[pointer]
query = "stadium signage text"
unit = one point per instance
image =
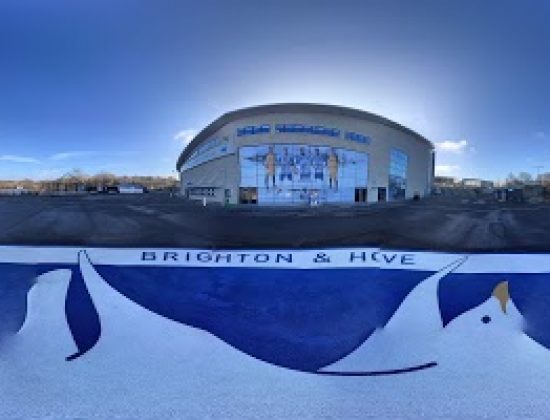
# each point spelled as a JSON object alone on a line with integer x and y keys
{"x": 304, "y": 129}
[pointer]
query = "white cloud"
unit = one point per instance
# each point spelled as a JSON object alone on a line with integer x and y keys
{"x": 70, "y": 155}
{"x": 452, "y": 146}
{"x": 185, "y": 136}
{"x": 18, "y": 159}
{"x": 446, "y": 169}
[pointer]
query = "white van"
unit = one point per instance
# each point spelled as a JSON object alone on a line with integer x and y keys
{"x": 130, "y": 189}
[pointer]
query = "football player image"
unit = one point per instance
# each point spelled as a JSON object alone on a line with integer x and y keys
{"x": 333, "y": 169}
{"x": 318, "y": 165}
{"x": 286, "y": 162}
{"x": 304, "y": 164}
{"x": 269, "y": 165}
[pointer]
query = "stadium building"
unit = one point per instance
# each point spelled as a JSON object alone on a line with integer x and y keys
{"x": 299, "y": 154}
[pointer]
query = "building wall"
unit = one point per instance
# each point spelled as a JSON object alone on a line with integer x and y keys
{"x": 225, "y": 171}
{"x": 220, "y": 174}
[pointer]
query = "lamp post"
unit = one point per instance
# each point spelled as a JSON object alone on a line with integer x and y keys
{"x": 538, "y": 168}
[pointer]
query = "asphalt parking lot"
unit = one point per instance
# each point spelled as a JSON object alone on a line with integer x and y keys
{"x": 158, "y": 220}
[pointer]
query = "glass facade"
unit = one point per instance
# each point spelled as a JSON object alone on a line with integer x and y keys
{"x": 303, "y": 174}
{"x": 212, "y": 149}
{"x": 397, "y": 184}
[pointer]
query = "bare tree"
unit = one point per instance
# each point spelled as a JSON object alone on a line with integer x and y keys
{"x": 525, "y": 177}
{"x": 511, "y": 179}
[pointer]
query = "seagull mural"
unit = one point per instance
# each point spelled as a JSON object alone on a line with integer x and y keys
{"x": 351, "y": 322}
{"x": 80, "y": 337}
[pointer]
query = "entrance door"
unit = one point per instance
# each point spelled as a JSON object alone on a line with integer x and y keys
{"x": 360, "y": 195}
{"x": 382, "y": 193}
{"x": 248, "y": 195}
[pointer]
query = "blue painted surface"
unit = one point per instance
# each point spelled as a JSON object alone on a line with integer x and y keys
{"x": 301, "y": 319}
{"x": 82, "y": 316}
{"x": 15, "y": 282}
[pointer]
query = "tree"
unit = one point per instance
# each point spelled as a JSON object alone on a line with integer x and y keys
{"x": 544, "y": 178}
{"x": 511, "y": 179}
{"x": 104, "y": 178}
{"x": 525, "y": 177}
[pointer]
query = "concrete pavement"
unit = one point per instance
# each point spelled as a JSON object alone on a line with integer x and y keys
{"x": 154, "y": 220}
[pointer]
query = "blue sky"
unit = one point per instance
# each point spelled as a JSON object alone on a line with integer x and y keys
{"x": 119, "y": 85}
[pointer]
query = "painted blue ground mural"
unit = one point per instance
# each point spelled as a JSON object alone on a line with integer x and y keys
{"x": 330, "y": 314}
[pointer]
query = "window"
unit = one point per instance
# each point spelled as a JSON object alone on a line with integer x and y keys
{"x": 398, "y": 175}
{"x": 200, "y": 191}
